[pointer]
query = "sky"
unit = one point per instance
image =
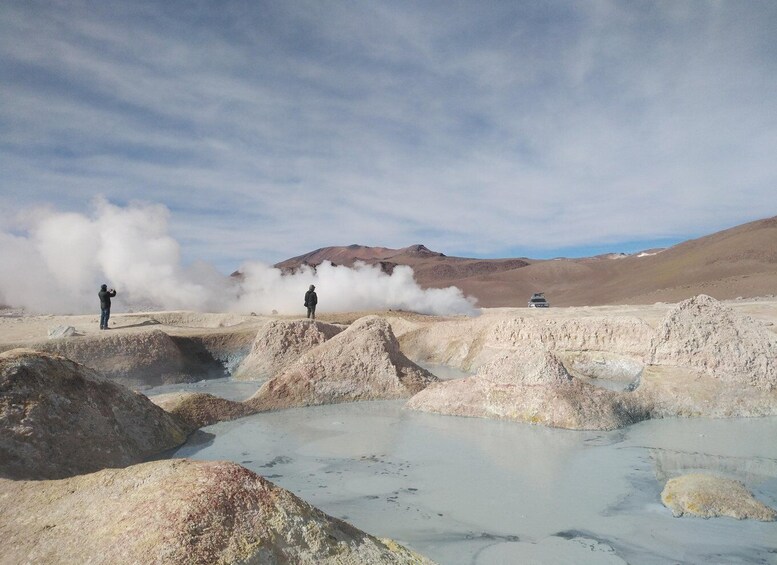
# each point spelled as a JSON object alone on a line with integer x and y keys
{"x": 263, "y": 130}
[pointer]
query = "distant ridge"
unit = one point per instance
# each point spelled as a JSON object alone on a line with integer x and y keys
{"x": 737, "y": 262}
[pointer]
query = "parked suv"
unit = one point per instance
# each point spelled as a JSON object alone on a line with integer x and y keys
{"x": 537, "y": 300}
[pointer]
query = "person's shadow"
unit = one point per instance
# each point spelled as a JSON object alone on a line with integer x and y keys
{"x": 139, "y": 325}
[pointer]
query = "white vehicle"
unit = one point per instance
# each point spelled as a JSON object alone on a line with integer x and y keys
{"x": 537, "y": 300}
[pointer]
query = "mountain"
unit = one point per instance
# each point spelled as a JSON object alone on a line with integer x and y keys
{"x": 431, "y": 269}
{"x": 737, "y": 262}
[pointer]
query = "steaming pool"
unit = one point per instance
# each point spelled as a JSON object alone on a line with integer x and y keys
{"x": 466, "y": 490}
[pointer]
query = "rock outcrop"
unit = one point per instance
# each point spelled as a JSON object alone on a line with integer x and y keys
{"x": 668, "y": 391}
{"x": 703, "y": 334}
{"x": 709, "y": 496}
{"x": 705, "y": 360}
{"x": 198, "y": 409}
{"x": 530, "y": 386}
{"x": 177, "y": 512}
{"x": 280, "y": 343}
{"x": 470, "y": 344}
{"x": 454, "y": 343}
{"x": 708, "y": 361}
{"x": 623, "y": 335}
{"x": 147, "y": 358}
{"x": 363, "y": 362}
{"x": 59, "y": 418}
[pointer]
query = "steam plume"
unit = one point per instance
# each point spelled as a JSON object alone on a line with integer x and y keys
{"x": 58, "y": 262}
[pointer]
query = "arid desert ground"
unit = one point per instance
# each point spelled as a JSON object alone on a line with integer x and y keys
{"x": 334, "y": 410}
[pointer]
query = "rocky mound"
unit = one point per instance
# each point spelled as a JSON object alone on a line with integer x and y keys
{"x": 668, "y": 391}
{"x": 531, "y": 386}
{"x": 708, "y": 496}
{"x": 456, "y": 343}
{"x": 177, "y": 512}
{"x": 363, "y": 362}
{"x": 59, "y": 418}
{"x": 469, "y": 344}
{"x": 703, "y": 334}
{"x": 142, "y": 358}
{"x": 280, "y": 343}
{"x": 199, "y": 409}
{"x": 622, "y": 335}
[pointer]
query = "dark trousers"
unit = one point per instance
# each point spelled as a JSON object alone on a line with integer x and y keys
{"x": 105, "y": 313}
{"x": 312, "y": 312}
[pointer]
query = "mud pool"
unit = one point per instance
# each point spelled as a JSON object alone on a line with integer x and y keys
{"x": 463, "y": 490}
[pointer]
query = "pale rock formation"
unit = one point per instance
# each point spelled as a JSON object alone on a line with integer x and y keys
{"x": 177, "y": 512}
{"x": 61, "y": 331}
{"x": 452, "y": 343}
{"x": 279, "y": 344}
{"x": 363, "y": 362}
{"x": 621, "y": 335}
{"x": 142, "y": 358}
{"x": 709, "y": 496}
{"x": 703, "y": 334}
{"x": 667, "y": 391}
{"x": 198, "y": 409}
{"x": 59, "y": 418}
{"x": 470, "y": 344}
{"x": 704, "y": 360}
{"x": 530, "y": 385}
{"x": 602, "y": 367}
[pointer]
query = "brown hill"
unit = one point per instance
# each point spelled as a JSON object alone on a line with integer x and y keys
{"x": 740, "y": 261}
{"x": 432, "y": 269}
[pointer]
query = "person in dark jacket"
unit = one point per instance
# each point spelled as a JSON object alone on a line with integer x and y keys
{"x": 310, "y": 301}
{"x": 105, "y": 305}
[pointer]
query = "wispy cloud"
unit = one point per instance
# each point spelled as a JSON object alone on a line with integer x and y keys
{"x": 269, "y": 129}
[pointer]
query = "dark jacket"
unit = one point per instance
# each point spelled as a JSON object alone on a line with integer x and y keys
{"x": 105, "y": 297}
{"x": 311, "y": 299}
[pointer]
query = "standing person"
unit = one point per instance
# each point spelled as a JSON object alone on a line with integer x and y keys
{"x": 105, "y": 305}
{"x": 310, "y": 301}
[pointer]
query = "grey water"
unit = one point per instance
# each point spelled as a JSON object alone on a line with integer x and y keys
{"x": 477, "y": 491}
{"x": 225, "y": 387}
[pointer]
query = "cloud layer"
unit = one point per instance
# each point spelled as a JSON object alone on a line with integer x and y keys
{"x": 58, "y": 262}
{"x": 270, "y": 129}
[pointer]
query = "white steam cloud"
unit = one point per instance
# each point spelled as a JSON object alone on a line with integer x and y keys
{"x": 58, "y": 261}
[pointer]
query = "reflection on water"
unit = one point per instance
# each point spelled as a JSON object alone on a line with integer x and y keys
{"x": 464, "y": 490}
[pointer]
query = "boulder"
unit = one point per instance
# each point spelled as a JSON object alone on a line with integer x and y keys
{"x": 280, "y": 343}
{"x": 59, "y": 418}
{"x": 177, "y": 512}
{"x": 58, "y": 332}
{"x": 709, "y": 496}
{"x": 530, "y": 385}
{"x": 363, "y": 362}
{"x": 702, "y": 334}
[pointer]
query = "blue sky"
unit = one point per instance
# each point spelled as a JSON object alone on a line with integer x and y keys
{"x": 487, "y": 129}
